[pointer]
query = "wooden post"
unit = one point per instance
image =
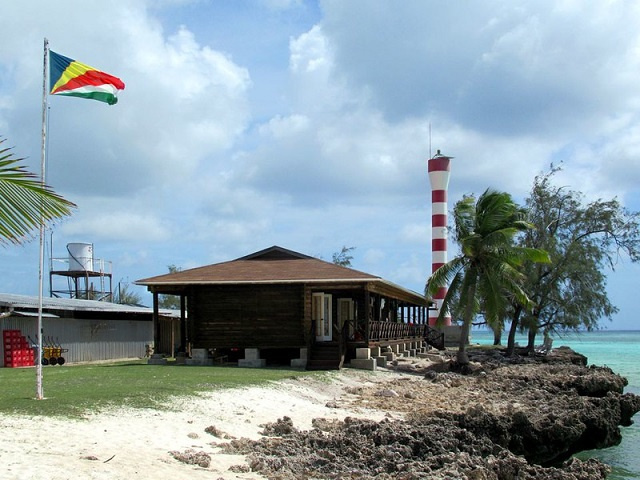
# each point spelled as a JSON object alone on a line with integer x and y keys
{"x": 156, "y": 323}
{"x": 173, "y": 338}
{"x": 183, "y": 324}
{"x": 367, "y": 316}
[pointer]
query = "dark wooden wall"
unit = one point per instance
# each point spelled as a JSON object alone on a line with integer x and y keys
{"x": 247, "y": 316}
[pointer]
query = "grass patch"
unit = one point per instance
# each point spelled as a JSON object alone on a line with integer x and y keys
{"x": 74, "y": 390}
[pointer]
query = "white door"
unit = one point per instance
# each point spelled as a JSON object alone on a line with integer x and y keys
{"x": 346, "y": 313}
{"x": 322, "y": 316}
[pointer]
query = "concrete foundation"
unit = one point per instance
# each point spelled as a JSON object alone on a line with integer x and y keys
{"x": 363, "y": 353}
{"x": 381, "y": 361}
{"x": 157, "y": 359}
{"x": 364, "y": 363}
{"x": 252, "y": 359}
{"x": 199, "y": 357}
{"x": 302, "y": 361}
{"x": 363, "y": 360}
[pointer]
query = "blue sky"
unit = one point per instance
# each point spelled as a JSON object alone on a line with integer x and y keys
{"x": 246, "y": 124}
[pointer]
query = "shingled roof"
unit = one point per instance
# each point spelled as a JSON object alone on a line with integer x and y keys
{"x": 271, "y": 265}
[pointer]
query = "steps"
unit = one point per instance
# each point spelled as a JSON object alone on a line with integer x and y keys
{"x": 325, "y": 356}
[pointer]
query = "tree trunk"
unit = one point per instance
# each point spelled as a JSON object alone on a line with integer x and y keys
{"x": 497, "y": 336}
{"x": 463, "y": 358}
{"x": 511, "y": 342}
{"x": 531, "y": 345}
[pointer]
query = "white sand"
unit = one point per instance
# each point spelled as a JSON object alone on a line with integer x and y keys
{"x": 135, "y": 444}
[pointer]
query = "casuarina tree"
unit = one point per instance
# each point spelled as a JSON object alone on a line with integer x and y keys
{"x": 583, "y": 241}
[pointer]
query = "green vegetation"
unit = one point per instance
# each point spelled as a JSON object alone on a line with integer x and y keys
{"x": 125, "y": 296}
{"x": 170, "y": 302}
{"x": 584, "y": 240}
{"x": 486, "y": 274}
{"x": 542, "y": 266}
{"x": 75, "y": 390}
{"x": 24, "y": 201}
{"x": 343, "y": 257}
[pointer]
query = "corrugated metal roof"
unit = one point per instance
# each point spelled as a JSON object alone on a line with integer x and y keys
{"x": 71, "y": 304}
{"x": 21, "y": 313}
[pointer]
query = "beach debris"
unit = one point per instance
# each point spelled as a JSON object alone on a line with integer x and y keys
{"x": 387, "y": 392}
{"x": 216, "y": 432}
{"x": 282, "y": 426}
{"x": 240, "y": 468}
{"x": 326, "y": 424}
{"x": 191, "y": 457}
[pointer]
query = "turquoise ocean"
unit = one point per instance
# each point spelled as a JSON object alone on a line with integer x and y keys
{"x": 620, "y": 351}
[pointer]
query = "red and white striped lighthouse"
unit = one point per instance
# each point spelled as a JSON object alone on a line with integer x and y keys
{"x": 439, "y": 168}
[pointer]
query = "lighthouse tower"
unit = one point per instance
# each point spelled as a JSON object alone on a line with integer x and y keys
{"x": 439, "y": 168}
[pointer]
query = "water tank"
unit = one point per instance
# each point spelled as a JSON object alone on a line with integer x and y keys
{"x": 80, "y": 257}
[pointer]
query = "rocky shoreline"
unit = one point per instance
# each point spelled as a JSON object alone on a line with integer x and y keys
{"x": 518, "y": 418}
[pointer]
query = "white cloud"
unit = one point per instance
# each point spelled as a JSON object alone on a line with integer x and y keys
{"x": 310, "y": 127}
{"x": 282, "y": 127}
{"x": 122, "y": 226}
{"x": 310, "y": 53}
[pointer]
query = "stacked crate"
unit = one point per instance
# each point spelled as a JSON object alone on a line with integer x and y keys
{"x": 17, "y": 351}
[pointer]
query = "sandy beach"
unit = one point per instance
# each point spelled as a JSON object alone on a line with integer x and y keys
{"x": 136, "y": 444}
{"x": 415, "y": 420}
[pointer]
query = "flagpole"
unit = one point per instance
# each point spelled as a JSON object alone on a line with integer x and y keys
{"x": 43, "y": 156}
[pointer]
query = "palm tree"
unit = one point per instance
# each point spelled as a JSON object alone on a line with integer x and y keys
{"x": 24, "y": 201}
{"x": 486, "y": 272}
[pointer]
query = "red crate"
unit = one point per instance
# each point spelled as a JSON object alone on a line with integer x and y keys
{"x": 10, "y": 333}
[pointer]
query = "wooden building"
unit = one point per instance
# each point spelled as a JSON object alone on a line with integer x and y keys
{"x": 282, "y": 306}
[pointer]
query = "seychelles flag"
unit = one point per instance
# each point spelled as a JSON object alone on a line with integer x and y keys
{"x": 75, "y": 79}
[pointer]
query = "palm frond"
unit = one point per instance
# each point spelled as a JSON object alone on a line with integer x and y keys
{"x": 24, "y": 201}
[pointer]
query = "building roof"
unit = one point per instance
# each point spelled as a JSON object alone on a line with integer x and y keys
{"x": 25, "y": 305}
{"x": 274, "y": 265}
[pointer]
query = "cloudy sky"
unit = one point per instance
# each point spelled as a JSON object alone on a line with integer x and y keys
{"x": 308, "y": 124}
